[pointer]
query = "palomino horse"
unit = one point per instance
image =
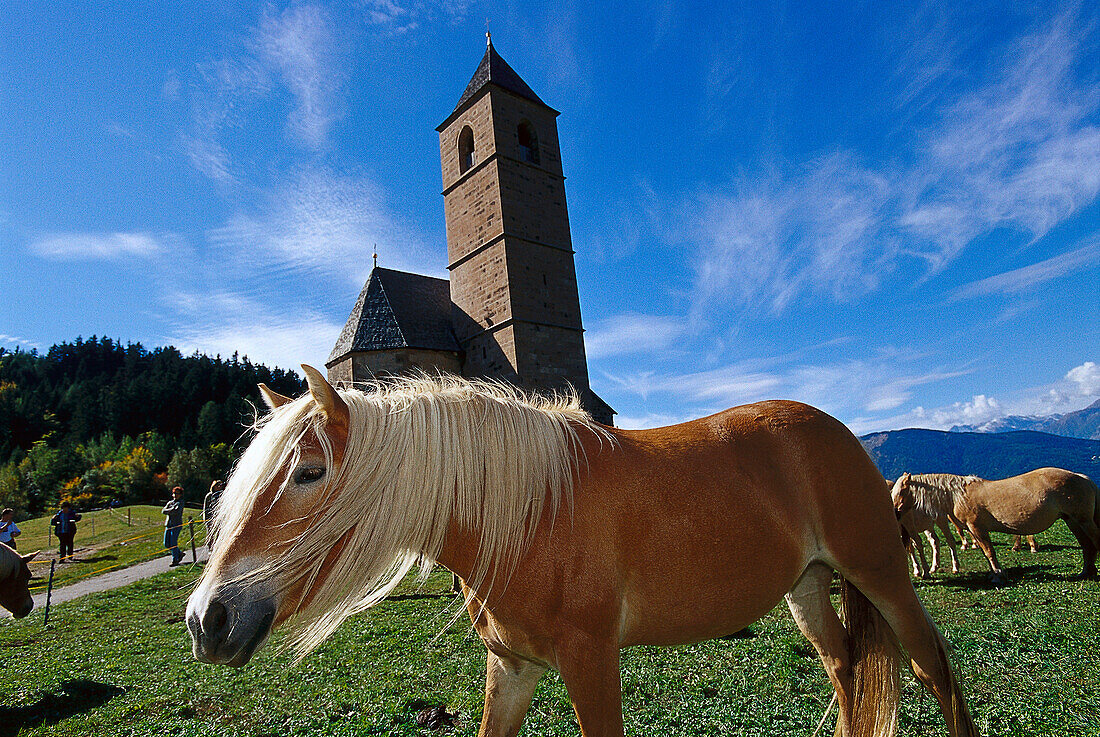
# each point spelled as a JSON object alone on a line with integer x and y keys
{"x": 14, "y": 576}
{"x": 573, "y": 540}
{"x": 1022, "y": 505}
{"x": 916, "y": 523}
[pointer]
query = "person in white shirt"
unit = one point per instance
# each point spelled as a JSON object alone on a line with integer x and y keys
{"x": 8, "y": 529}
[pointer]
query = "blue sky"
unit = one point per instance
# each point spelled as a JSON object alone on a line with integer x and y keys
{"x": 889, "y": 211}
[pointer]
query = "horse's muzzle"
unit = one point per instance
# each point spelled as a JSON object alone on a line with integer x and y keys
{"x": 20, "y": 609}
{"x": 228, "y": 629}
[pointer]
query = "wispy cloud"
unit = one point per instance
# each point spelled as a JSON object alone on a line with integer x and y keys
{"x": 859, "y": 388}
{"x": 15, "y": 340}
{"x": 774, "y": 239}
{"x": 297, "y": 52}
{"x": 300, "y": 45}
{"x": 1079, "y": 387}
{"x": 633, "y": 333}
{"x": 98, "y": 246}
{"x": 228, "y": 322}
{"x": 1021, "y": 152}
{"x": 320, "y": 222}
{"x": 1035, "y": 274}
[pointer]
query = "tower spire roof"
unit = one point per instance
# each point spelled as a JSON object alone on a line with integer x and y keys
{"x": 494, "y": 70}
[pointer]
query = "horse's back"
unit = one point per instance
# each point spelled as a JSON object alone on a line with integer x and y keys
{"x": 1033, "y": 501}
{"x": 744, "y": 499}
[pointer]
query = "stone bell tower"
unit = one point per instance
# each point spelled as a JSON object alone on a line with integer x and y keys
{"x": 516, "y": 310}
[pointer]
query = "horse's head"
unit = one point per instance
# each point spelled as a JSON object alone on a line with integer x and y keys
{"x": 280, "y": 483}
{"x": 902, "y": 495}
{"x": 14, "y": 594}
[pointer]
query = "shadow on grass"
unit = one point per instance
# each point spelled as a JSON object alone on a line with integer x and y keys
{"x": 71, "y": 698}
{"x": 745, "y": 634}
{"x": 100, "y": 559}
{"x": 983, "y": 580}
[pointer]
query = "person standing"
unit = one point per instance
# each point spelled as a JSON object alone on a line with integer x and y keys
{"x": 173, "y": 524}
{"x": 65, "y": 522}
{"x": 8, "y": 529}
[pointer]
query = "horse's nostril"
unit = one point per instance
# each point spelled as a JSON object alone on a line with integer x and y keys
{"x": 214, "y": 619}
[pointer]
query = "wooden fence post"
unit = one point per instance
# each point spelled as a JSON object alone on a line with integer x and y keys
{"x": 49, "y": 592}
{"x": 194, "y": 555}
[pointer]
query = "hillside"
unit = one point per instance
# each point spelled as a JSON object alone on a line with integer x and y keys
{"x": 95, "y": 422}
{"x": 989, "y": 455}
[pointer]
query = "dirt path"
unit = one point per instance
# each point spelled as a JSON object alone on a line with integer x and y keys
{"x": 107, "y": 581}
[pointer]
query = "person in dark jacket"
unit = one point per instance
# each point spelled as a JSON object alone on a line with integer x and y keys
{"x": 65, "y": 523}
{"x": 173, "y": 523}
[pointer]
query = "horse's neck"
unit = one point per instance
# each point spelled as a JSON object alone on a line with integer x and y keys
{"x": 460, "y": 551}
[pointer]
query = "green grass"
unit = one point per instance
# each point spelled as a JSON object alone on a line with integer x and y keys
{"x": 105, "y": 540}
{"x": 119, "y": 663}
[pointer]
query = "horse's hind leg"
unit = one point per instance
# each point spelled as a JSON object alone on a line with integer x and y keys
{"x": 815, "y": 616}
{"x": 916, "y": 555}
{"x": 1088, "y": 536}
{"x": 895, "y": 598}
{"x": 950, "y": 545}
{"x": 509, "y": 687}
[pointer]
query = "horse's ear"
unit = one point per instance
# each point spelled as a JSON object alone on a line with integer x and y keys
{"x": 325, "y": 395}
{"x": 30, "y": 556}
{"x": 272, "y": 398}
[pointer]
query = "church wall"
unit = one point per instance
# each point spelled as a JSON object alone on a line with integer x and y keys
{"x": 547, "y": 356}
{"x": 508, "y": 112}
{"x": 479, "y": 291}
{"x": 473, "y": 212}
{"x": 545, "y": 284}
{"x": 359, "y": 367}
{"x": 492, "y": 354}
{"x": 479, "y": 117}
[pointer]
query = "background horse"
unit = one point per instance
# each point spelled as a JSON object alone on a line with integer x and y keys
{"x": 14, "y": 577}
{"x": 573, "y": 540}
{"x": 916, "y": 523}
{"x": 1022, "y": 505}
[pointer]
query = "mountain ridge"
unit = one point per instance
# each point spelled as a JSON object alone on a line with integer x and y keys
{"x": 989, "y": 455}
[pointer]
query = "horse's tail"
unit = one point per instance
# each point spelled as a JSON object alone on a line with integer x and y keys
{"x": 876, "y": 671}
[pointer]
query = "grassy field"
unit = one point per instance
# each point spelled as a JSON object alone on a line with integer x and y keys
{"x": 119, "y": 663}
{"x": 106, "y": 539}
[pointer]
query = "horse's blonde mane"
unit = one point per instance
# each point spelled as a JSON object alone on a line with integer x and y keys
{"x": 423, "y": 453}
{"x": 934, "y": 494}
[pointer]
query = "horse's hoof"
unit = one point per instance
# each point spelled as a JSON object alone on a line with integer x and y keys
{"x": 997, "y": 579}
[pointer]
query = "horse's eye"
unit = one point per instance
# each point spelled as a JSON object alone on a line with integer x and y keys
{"x": 309, "y": 474}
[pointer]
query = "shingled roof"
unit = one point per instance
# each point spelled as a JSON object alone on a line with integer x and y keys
{"x": 397, "y": 309}
{"x": 494, "y": 70}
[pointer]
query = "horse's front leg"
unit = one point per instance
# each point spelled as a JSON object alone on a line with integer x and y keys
{"x": 981, "y": 537}
{"x": 509, "y": 687}
{"x": 934, "y": 543}
{"x": 590, "y": 671}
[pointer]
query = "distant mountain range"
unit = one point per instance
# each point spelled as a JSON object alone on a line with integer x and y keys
{"x": 1084, "y": 423}
{"x": 991, "y": 455}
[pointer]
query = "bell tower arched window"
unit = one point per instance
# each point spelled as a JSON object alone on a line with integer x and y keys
{"x": 528, "y": 143}
{"x": 465, "y": 150}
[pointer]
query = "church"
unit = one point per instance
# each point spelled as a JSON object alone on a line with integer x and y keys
{"x": 510, "y": 310}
